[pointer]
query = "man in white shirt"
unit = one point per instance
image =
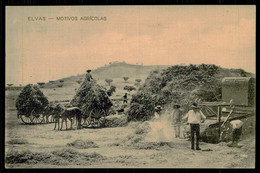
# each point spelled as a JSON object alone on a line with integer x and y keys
{"x": 195, "y": 117}
{"x": 157, "y": 112}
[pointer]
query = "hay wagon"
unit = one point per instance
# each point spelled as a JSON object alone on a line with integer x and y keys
{"x": 94, "y": 118}
{"x": 36, "y": 117}
{"x": 32, "y": 117}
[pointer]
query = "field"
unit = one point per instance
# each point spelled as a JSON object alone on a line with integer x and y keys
{"x": 39, "y": 146}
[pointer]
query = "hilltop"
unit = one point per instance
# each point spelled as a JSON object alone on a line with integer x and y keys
{"x": 118, "y": 70}
{"x": 115, "y": 71}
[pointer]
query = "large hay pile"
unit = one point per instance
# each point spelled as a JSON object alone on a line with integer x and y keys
{"x": 30, "y": 98}
{"x": 91, "y": 96}
{"x": 182, "y": 84}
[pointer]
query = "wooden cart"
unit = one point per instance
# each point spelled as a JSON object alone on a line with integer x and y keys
{"x": 32, "y": 118}
{"x": 36, "y": 117}
{"x": 94, "y": 118}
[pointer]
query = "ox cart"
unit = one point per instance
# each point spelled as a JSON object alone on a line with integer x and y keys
{"x": 37, "y": 117}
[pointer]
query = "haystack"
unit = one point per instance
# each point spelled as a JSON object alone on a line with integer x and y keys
{"x": 91, "y": 96}
{"x": 30, "y": 98}
{"x": 181, "y": 84}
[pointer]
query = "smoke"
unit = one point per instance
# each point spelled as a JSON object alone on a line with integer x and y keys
{"x": 162, "y": 129}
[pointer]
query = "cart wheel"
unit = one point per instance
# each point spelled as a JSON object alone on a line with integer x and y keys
{"x": 25, "y": 119}
{"x": 99, "y": 117}
{"x": 36, "y": 118}
{"x": 96, "y": 113}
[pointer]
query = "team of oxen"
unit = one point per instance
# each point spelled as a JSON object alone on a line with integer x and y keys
{"x": 61, "y": 114}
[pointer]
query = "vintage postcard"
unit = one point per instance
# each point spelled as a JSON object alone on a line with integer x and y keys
{"x": 130, "y": 86}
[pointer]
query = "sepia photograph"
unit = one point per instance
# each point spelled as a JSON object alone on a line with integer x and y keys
{"x": 158, "y": 86}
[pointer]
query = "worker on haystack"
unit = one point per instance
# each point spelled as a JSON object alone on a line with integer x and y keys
{"x": 88, "y": 75}
{"x": 236, "y": 132}
{"x": 157, "y": 112}
{"x": 125, "y": 98}
{"x": 176, "y": 119}
{"x": 195, "y": 117}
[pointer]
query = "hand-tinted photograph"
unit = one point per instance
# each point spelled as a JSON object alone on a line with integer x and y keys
{"x": 165, "y": 86}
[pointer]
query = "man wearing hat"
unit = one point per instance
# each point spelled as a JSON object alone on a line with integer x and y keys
{"x": 157, "y": 112}
{"x": 125, "y": 98}
{"x": 195, "y": 117}
{"x": 176, "y": 119}
{"x": 88, "y": 75}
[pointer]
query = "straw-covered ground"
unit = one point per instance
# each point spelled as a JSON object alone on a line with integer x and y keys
{"x": 148, "y": 144}
{"x": 135, "y": 145}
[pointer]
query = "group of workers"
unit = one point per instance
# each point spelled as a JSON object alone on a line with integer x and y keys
{"x": 194, "y": 117}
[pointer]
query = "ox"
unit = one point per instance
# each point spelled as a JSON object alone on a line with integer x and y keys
{"x": 47, "y": 112}
{"x": 57, "y": 111}
{"x": 68, "y": 113}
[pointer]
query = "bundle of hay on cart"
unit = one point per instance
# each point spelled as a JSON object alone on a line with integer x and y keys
{"x": 31, "y": 104}
{"x": 94, "y": 103}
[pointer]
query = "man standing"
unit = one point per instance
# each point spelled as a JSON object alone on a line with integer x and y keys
{"x": 125, "y": 98}
{"x": 157, "y": 112}
{"x": 88, "y": 75}
{"x": 195, "y": 117}
{"x": 176, "y": 119}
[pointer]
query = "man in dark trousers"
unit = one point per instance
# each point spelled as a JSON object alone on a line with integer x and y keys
{"x": 195, "y": 117}
{"x": 88, "y": 75}
{"x": 125, "y": 98}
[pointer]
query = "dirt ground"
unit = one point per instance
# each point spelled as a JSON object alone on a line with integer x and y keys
{"x": 39, "y": 146}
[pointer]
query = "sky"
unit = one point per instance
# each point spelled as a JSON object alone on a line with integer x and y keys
{"x": 42, "y": 50}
